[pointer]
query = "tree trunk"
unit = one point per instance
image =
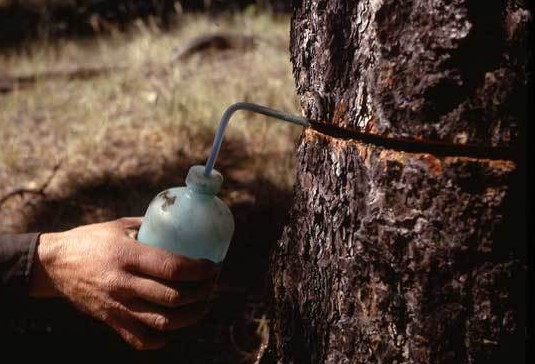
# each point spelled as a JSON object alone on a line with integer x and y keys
{"x": 406, "y": 241}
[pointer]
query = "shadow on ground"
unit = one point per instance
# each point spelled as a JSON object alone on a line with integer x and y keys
{"x": 228, "y": 333}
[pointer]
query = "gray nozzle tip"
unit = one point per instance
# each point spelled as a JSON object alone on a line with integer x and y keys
{"x": 200, "y": 182}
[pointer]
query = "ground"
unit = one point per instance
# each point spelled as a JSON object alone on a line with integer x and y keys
{"x": 93, "y": 129}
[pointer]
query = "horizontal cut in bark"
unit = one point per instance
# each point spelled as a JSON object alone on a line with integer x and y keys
{"x": 429, "y": 70}
{"x": 394, "y": 257}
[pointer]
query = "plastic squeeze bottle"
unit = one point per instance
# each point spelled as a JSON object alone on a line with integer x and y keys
{"x": 192, "y": 220}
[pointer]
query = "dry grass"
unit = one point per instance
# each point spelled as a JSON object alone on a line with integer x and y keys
{"x": 125, "y": 135}
{"x": 148, "y": 112}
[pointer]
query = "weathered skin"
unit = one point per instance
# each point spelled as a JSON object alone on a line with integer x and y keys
{"x": 394, "y": 257}
{"x": 451, "y": 71}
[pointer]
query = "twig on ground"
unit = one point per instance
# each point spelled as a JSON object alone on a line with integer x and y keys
{"x": 262, "y": 331}
{"x": 35, "y": 191}
{"x": 246, "y": 355}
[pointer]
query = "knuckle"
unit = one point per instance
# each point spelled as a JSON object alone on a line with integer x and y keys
{"x": 139, "y": 344}
{"x": 148, "y": 344}
{"x": 144, "y": 344}
{"x": 120, "y": 223}
{"x": 137, "y": 341}
{"x": 130, "y": 338}
{"x": 172, "y": 297}
{"x": 104, "y": 315}
{"x": 113, "y": 281}
{"x": 111, "y": 310}
{"x": 171, "y": 268}
{"x": 124, "y": 257}
{"x": 161, "y": 323}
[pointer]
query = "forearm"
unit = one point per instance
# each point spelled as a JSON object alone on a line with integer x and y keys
{"x": 46, "y": 255}
{"x": 17, "y": 255}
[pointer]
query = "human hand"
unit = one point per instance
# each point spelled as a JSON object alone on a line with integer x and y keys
{"x": 138, "y": 290}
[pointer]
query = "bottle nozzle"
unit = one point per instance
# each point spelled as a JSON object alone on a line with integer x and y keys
{"x": 218, "y": 139}
{"x": 198, "y": 181}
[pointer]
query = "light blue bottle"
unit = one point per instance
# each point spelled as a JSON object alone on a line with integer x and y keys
{"x": 191, "y": 220}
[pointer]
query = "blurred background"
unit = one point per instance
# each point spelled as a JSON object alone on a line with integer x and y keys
{"x": 105, "y": 103}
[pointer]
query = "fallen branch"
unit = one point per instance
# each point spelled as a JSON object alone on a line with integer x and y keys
{"x": 35, "y": 191}
{"x": 10, "y": 83}
{"x": 219, "y": 41}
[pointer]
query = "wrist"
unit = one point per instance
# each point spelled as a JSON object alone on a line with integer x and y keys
{"x": 46, "y": 255}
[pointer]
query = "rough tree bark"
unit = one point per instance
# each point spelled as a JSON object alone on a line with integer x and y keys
{"x": 406, "y": 241}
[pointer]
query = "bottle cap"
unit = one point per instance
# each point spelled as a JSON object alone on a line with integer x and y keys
{"x": 197, "y": 181}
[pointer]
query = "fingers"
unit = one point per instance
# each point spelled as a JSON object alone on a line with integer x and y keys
{"x": 167, "y": 295}
{"x": 167, "y": 266}
{"x": 142, "y": 325}
{"x": 166, "y": 319}
{"x": 136, "y": 334}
